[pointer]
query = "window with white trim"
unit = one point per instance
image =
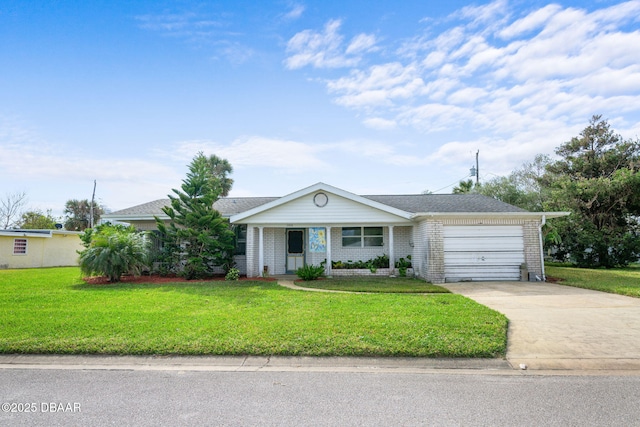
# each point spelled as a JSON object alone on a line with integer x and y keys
{"x": 19, "y": 246}
{"x": 361, "y": 237}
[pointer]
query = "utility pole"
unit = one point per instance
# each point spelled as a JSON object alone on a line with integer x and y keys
{"x": 477, "y": 169}
{"x": 93, "y": 196}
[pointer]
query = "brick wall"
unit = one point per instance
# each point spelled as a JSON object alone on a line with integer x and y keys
{"x": 532, "y": 256}
{"x": 435, "y": 251}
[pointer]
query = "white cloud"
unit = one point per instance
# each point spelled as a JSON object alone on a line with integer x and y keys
{"x": 29, "y": 162}
{"x": 511, "y": 78}
{"x": 361, "y": 43}
{"x": 378, "y": 86}
{"x": 531, "y": 22}
{"x": 380, "y": 123}
{"x": 326, "y": 49}
{"x": 43, "y": 161}
{"x": 281, "y": 154}
{"x": 178, "y": 24}
{"x": 296, "y": 12}
{"x": 198, "y": 30}
{"x": 490, "y": 14}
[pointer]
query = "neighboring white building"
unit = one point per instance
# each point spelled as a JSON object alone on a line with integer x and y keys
{"x": 450, "y": 237}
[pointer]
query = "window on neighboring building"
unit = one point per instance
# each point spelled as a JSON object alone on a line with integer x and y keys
{"x": 241, "y": 239}
{"x": 20, "y": 246}
{"x": 360, "y": 237}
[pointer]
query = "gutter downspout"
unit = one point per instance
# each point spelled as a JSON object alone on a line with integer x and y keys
{"x": 542, "y": 223}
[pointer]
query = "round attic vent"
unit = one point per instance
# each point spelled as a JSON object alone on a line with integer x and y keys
{"x": 320, "y": 200}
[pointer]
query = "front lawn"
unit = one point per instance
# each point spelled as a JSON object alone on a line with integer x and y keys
{"x": 623, "y": 281}
{"x": 374, "y": 284}
{"x": 54, "y": 311}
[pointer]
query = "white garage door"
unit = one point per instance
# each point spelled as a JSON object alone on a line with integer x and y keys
{"x": 483, "y": 252}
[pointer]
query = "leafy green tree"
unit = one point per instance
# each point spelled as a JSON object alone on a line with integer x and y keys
{"x": 113, "y": 250}
{"x": 78, "y": 214}
{"x": 197, "y": 238}
{"x": 523, "y": 187}
{"x": 36, "y": 220}
{"x": 598, "y": 180}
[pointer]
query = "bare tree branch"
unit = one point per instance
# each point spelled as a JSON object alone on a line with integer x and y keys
{"x": 11, "y": 208}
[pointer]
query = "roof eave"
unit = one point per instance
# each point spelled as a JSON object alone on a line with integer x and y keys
{"x": 505, "y": 215}
{"x": 136, "y": 217}
{"x": 26, "y": 233}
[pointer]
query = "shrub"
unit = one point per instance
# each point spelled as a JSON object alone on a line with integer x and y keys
{"x": 113, "y": 251}
{"x": 402, "y": 265}
{"x": 381, "y": 261}
{"x": 310, "y": 272}
{"x": 233, "y": 274}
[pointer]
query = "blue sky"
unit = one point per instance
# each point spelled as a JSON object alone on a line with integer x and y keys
{"x": 372, "y": 97}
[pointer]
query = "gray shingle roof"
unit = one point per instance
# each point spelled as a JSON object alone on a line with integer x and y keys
{"x": 150, "y": 208}
{"x": 413, "y": 203}
{"x": 235, "y": 205}
{"x": 442, "y": 203}
{"x": 227, "y": 206}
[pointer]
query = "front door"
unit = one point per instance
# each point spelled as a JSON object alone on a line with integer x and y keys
{"x": 295, "y": 250}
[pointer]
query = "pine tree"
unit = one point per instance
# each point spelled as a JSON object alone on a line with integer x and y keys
{"x": 197, "y": 238}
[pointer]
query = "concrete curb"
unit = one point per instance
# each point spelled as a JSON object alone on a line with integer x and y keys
{"x": 249, "y": 363}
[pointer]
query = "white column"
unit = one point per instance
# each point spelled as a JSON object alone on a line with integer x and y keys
{"x": 250, "y": 254}
{"x": 260, "y": 251}
{"x": 392, "y": 257}
{"x": 328, "y": 266}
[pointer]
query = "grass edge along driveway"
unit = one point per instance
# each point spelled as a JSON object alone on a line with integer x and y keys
{"x": 52, "y": 311}
{"x": 622, "y": 281}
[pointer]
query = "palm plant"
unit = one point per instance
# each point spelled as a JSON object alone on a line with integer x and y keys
{"x": 114, "y": 251}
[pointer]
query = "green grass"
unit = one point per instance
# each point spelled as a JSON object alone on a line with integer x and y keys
{"x": 54, "y": 311}
{"x": 623, "y": 281}
{"x": 374, "y": 284}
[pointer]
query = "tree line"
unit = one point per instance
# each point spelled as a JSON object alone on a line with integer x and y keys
{"x": 596, "y": 177}
{"x": 77, "y": 214}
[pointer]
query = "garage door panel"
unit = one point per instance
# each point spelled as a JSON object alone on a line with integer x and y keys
{"x": 483, "y": 246}
{"x": 465, "y": 258}
{"x": 482, "y": 253}
{"x": 465, "y": 231}
{"x": 481, "y": 275}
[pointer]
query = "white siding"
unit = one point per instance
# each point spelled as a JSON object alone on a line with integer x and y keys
{"x": 483, "y": 252}
{"x": 338, "y": 210}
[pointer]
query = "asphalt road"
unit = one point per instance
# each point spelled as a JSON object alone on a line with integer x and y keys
{"x": 57, "y": 397}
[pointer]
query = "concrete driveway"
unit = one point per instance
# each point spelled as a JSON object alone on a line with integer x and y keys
{"x": 561, "y": 327}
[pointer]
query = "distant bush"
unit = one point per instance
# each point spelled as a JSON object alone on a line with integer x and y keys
{"x": 310, "y": 272}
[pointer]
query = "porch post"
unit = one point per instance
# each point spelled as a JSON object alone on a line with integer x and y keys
{"x": 392, "y": 257}
{"x": 260, "y": 251}
{"x": 328, "y": 266}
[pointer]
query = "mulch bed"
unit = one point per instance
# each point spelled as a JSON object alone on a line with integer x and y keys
{"x": 155, "y": 278}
